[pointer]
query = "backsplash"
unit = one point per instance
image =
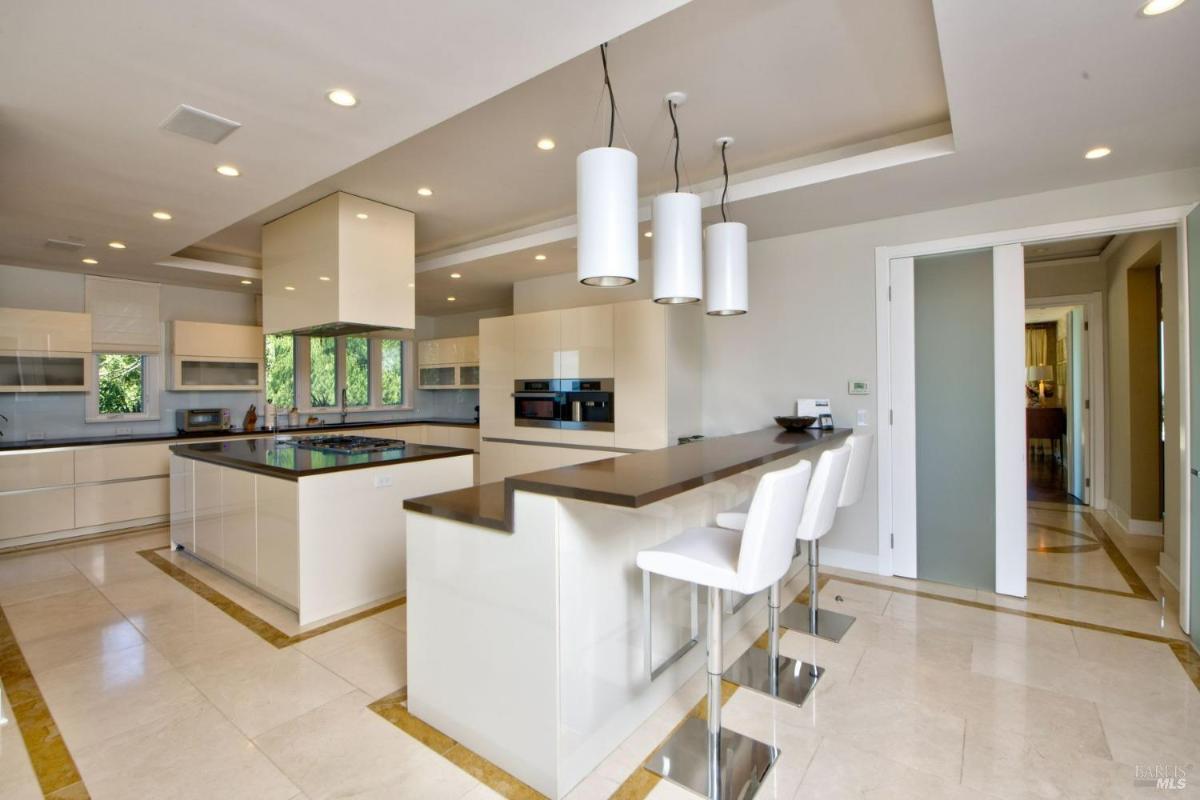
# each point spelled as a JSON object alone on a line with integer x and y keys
{"x": 61, "y": 415}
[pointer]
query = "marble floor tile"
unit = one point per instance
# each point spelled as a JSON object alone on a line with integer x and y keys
{"x": 62, "y": 613}
{"x": 16, "y": 569}
{"x": 72, "y": 581}
{"x": 52, "y": 651}
{"x": 186, "y": 635}
{"x": 195, "y": 756}
{"x": 373, "y": 658}
{"x": 396, "y": 617}
{"x": 343, "y": 749}
{"x": 259, "y": 689}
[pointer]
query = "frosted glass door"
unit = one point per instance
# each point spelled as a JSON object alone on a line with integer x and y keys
{"x": 955, "y": 419}
{"x": 218, "y": 373}
{"x": 437, "y": 377}
{"x": 43, "y": 373}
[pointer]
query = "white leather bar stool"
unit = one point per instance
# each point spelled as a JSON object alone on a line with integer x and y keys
{"x": 811, "y": 618}
{"x": 722, "y": 764}
{"x": 765, "y": 670}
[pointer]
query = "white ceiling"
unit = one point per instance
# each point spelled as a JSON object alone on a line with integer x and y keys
{"x": 784, "y": 78}
{"x": 84, "y": 87}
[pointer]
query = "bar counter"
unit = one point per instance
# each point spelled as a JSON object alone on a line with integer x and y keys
{"x": 539, "y": 572}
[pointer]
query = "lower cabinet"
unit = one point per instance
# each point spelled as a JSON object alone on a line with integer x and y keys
{"x": 207, "y": 494}
{"x": 122, "y": 501}
{"x": 39, "y": 511}
{"x": 278, "y": 538}
{"x": 499, "y": 460}
{"x": 238, "y": 530}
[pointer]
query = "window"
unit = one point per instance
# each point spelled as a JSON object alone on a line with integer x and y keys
{"x": 358, "y": 371}
{"x": 281, "y": 370}
{"x": 120, "y": 383}
{"x": 391, "y": 372}
{"x": 322, "y": 365}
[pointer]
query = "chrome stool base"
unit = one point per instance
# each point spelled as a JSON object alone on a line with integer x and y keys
{"x": 793, "y": 681}
{"x": 831, "y": 625}
{"x": 743, "y": 762}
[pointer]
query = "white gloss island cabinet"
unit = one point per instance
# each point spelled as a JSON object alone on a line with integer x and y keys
{"x": 327, "y": 541}
{"x": 45, "y": 351}
{"x": 212, "y": 356}
{"x": 451, "y": 363}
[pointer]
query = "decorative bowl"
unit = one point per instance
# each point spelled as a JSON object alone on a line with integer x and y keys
{"x": 795, "y": 424}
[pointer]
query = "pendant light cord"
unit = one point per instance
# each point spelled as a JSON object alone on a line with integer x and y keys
{"x": 725, "y": 171}
{"x": 612, "y": 100}
{"x": 675, "y": 125}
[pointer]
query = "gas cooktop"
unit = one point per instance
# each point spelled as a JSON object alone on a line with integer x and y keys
{"x": 347, "y": 444}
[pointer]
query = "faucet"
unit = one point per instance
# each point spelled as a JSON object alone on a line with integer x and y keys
{"x": 343, "y": 405}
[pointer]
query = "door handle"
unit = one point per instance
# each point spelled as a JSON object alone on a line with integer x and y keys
{"x": 1195, "y": 472}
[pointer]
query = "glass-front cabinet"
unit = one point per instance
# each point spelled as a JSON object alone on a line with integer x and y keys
{"x": 448, "y": 363}
{"x": 210, "y": 374}
{"x": 208, "y": 356}
{"x": 44, "y": 372}
{"x": 437, "y": 378}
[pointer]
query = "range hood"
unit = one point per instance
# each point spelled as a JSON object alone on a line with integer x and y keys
{"x": 341, "y": 265}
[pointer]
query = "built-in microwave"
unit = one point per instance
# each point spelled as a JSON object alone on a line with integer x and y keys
{"x": 536, "y": 403}
{"x": 190, "y": 420}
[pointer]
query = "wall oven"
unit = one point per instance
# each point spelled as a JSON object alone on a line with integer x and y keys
{"x": 536, "y": 404}
{"x": 587, "y": 404}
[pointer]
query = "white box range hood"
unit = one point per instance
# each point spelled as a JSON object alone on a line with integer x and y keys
{"x": 341, "y": 265}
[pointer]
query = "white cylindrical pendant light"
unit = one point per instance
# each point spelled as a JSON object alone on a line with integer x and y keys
{"x": 726, "y": 281}
{"x": 678, "y": 265}
{"x": 606, "y": 202}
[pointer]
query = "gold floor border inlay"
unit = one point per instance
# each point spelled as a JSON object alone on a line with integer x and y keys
{"x": 247, "y": 618}
{"x": 1136, "y": 585}
{"x": 52, "y": 763}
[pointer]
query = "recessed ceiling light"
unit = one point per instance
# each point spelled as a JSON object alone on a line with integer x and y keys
{"x": 290, "y": 288}
{"x": 90, "y": 261}
{"x": 343, "y": 98}
{"x": 451, "y": 299}
{"x": 117, "y": 245}
{"x": 545, "y": 144}
{"x": 455, "y": 275}
{"x": 361, "y": 215}
{"x": 1097, "y": 152}
{"x": 324, "y": 277}
{"x": 229, "y": 170}
{"x": 424, "y": 191}
{"x": 163, "y": 215}
{"x": 540, "y": 257}
{"x": 1156, "y": 7}
{"x": 247, "y": 283}
{"x": 649, "y": 234}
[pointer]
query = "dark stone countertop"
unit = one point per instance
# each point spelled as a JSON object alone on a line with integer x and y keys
{"x": 630, "y": 481}
{"x": 167, "y": 436}
{"x": 282, "y": 459}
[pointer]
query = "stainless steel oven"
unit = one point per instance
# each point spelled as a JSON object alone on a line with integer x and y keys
{"x": 587, "y": 404}
{"x": 536, "y": 403}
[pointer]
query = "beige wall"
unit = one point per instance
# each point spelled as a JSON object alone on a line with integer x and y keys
{"x": 564, "y": 291}
{"x": 1125, "y": 459}
{"x": 1056, "y": 280}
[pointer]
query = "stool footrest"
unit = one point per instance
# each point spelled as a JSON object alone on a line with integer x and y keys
{"x": 792, "y": 682}
{"x": 831, "y": 625}
{"x": 742, "y": 762}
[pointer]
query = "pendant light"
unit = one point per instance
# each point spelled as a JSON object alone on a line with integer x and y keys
{"x": 606, "y": 200}
{"x": 726, "y": 282}
{"x": 675, "y": 220}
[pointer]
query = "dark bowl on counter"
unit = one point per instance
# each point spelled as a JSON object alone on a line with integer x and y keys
{"x": 795, "y": 424}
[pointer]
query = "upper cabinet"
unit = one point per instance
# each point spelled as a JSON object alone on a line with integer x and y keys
{"x": 448, "y": 363}
{"x": 44, "y": 351}
{"x": 210, "y": 356}
{"x": 537, "y": 337}
{"x": 586, "y": 342}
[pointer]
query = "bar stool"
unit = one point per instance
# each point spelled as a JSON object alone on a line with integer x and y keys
{"x": 811, "y": 618}
{"x": 722, "y": 764}
{"x": 765, "y": 670}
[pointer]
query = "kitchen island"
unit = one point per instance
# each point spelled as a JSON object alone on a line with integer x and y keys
{"x": 552, "y": 675}
{"x": 318, "y": 530}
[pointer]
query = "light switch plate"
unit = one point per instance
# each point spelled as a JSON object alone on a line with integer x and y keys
{"x": 124, "y": 431}
{"x": 383, "y": 481}
{"x": 862, "y": 420}
{"x": 36, "y": 437}
{"x": 858, "y": 387}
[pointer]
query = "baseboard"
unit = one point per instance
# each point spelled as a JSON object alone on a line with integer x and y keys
{"x": 39, "y": 540}
{"x": 850, "y": 559}
{"x": 1134, "y": 527}
{"x": 1168, "y": 572}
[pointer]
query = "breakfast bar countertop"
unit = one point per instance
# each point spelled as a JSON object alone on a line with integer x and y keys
{"x": 281, "y": 458}
{"x": 630, "y": 481}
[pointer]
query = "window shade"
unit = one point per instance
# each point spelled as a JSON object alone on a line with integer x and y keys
{"x": 124, "y": 315}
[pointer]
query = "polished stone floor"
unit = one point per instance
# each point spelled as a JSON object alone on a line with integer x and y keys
{"x": 936, "y": 691}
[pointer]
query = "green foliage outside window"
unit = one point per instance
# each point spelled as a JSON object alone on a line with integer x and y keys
{"x": 358, "y": 371}
{"x": 322, "y": 359}
{"x": 392, "y": 379}
{"x": 281, "y": 371}
{"x": 120, "y": 383}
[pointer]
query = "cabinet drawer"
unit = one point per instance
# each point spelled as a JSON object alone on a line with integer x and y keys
{"x": 27, "y": 513}
{"x": 100, "y": 504}
{"x": 448, "y": 436}
{"x": 36, "y": 470}
{"x": 118, "y": 462}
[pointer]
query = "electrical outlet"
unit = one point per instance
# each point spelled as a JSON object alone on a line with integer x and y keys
{"x": 124, "y": 431}
{"x": 383, "y": 481}
{"x": 36, "y": 437}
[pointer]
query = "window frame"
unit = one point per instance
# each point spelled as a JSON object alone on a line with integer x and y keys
{"x": 152, "y": 383}
{"x": 302, "y": 377}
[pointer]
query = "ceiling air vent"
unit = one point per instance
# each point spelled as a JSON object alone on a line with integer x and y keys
{"x": 199, "y": 124}
{"x": 63, "y": 244}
